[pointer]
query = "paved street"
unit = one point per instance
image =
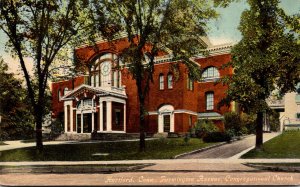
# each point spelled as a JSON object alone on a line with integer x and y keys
{"x": 212, "y": 171}
{"x": 189, "y": 176}
{"x": 234, "y": 149}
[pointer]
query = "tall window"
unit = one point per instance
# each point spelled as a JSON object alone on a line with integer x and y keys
{"x": 161, "y": 81}
{"x": 190, "y": 83}
{"x": 170, "y": 81}
{"x": 209, "y": 101}
{"x": 105, "y": 71}
{"x": 210, "y": 74}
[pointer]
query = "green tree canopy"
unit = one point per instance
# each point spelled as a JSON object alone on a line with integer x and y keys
{"x": 16, "y": 118}
{"x": 172, "y": 26}
{"x": 267, "y": 58}
{"x": 39, "y": 29}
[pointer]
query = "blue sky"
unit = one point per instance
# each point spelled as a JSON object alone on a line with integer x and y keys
{"x": 223, "y": 30}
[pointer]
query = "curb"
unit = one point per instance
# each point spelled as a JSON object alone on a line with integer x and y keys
{"x": 71, "y": 169}
{"x": 274, "y": 168}
{"x": 210, "y": 147}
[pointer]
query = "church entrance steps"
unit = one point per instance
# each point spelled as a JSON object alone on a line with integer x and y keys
{"x": 70, "y": 136}
{"x": 115, "y": 136}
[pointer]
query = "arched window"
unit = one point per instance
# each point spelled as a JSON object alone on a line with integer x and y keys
{"x": 209, "y": 100}
{"x": 170, "y": 81}
{"x": 105, "y": 71}
{"x": 161, "y": 81}
{"x": 210, "y": 74}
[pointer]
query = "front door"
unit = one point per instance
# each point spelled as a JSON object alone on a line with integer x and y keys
{"x": 87, "y": 123}
{"x": 166, "y": 123}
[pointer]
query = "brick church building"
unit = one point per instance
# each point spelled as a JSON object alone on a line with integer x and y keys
{"x": 105, "y": 98}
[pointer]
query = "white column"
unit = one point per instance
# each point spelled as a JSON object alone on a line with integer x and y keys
{"x": 101, "y": 116}
{"x": 81, "y": 118}
{"x": 108, "y": 115}
{"x": 160, "y": 123}
{"x": 93, "y": 121}
{"x": 66, "y": 119}
{"x": 71, "y": 117}
{"x": 172, "y": 116}
{"x": 124, "y": 118}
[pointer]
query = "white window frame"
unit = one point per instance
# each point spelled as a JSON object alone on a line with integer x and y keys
{"x": 170, "y": 81}
{"x": 210, "y": 74}
{"x": 161, "y": 82}
{"x": 209, "y": 100}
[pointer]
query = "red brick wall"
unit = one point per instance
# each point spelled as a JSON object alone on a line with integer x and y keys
{"x": 179, "y": 96}
{"x": 58, "y": 106}
{"x": 218, "y": 88}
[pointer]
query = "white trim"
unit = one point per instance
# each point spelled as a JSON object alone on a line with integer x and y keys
{"x": 124, "y": 117}
{"x": 108, "y": 116}
{"x": 101, "y": 115}
{"x": 121, "y": 132}
{"x": 221, "y": 117}
{"x": 185, "y": 111}
{"x": 152, "y": 113}
{"x": 162, "y": 111}
{"x": 179, "y": 111}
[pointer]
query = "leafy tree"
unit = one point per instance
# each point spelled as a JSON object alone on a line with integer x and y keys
{"x": 39, "y": 29}
{"x": 16, "y": 119}
{"x": 152, "y": 26}
{"x": 266, "y": 58}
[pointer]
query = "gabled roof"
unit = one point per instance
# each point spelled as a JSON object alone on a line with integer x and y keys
{"x": 95, "y": 90}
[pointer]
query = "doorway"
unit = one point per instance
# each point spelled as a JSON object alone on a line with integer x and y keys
{"x": 167, "y": 122}
{"x": 87, "y": 123}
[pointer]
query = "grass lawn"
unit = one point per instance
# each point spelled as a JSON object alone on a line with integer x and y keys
{"x": 285, "y": 145}
{"x": 155, "y": 149}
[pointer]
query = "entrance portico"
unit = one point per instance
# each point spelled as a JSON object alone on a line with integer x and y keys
{"x": 88, "y": 109}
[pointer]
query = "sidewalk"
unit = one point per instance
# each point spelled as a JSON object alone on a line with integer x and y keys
{"x": 231, "y": 150}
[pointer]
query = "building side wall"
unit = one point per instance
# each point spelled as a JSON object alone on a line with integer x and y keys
{"x": 57, "y": 105}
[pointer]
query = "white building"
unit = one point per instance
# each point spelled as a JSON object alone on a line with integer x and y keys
{"x": 289, "y": 108}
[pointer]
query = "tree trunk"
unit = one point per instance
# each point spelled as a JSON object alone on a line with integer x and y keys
{"x": 142, "y": 117}
{"x": 259, "y": 130}
{"x": 38, "y": 127}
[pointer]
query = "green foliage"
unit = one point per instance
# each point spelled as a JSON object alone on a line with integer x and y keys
{"x": 17, "y": 121}
{"x": 233, "y": 121}
{"x": 57, "y": 126}
{"x": 154, "y": 26}
{"x": 187, "y": 138}
{"x": 156, "y": 149}
{"x": 39, "y": 29}
{"x": 203, "y": 127}
{"x": 274, "y": 120}
{"x": 285, "y": 145}
{"x": 249, "y": 122}
{"x": 266, "y": 58}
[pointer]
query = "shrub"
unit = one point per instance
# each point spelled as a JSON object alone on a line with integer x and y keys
{"x": 233, "y": 121}
{"x": 248, "y": 121}
{"x": 204, "y": 127}
{"x": 217, "y": 137}
{"x": 274, "y": 121}
{"x": 187, "y": 138}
